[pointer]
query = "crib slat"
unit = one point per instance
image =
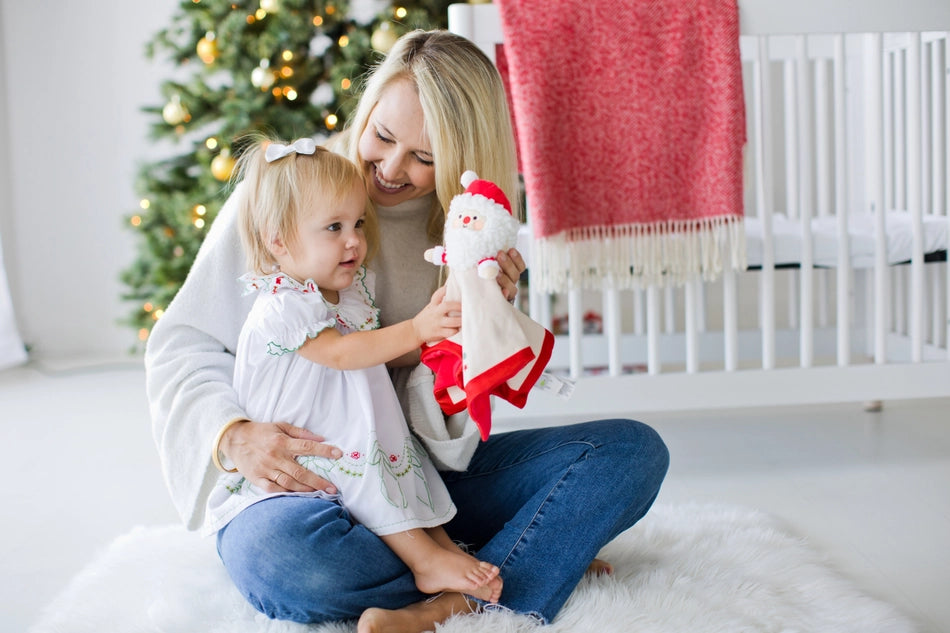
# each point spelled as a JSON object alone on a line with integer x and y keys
{"x": 692, "y": 334}
{"x": 762, "y": 109}
{"x": 730, "y": 319}
{"x": 915, "y": 195}
{"x": 874, "y": 130}
{"x": 805, "y": 152}
{"x": 898, "y": 96}
{"x": 946, "y": 165}
{"x": 823, "y": 139}
{"x": 841, "y": 206}
{"x": 938, "y": 132}
{"x": 653, "y": 330}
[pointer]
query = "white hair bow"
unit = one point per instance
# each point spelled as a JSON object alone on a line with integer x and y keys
{"x": 276, "y": 151}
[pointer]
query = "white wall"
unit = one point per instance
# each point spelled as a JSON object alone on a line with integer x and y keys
{"x": 74, "y": 79}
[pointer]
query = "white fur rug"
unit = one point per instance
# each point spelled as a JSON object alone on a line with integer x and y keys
{"x": 685, "y": 568}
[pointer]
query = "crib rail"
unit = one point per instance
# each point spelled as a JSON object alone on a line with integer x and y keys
{"x": 848, "y": 136}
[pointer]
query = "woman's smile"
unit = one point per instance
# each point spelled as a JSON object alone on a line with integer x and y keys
{"x": 384, "y": 185}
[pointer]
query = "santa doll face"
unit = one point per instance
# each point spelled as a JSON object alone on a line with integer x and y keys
{"x": 467, "y": 220}
{"x": 395, "y": 148}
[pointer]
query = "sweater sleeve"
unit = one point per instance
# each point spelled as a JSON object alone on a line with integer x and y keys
{"x": 189, "y": 362}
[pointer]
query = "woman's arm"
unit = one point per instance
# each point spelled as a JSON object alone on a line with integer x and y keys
{"x": 359, "y": 350}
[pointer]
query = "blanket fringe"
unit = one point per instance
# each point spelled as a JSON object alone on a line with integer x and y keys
{"x": 637, "y": 255}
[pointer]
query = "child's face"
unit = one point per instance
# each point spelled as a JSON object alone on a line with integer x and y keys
{"x": 331, "y": 244}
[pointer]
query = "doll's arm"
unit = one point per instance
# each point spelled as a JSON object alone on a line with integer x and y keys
{"x": 488, "y": 268}
{"x": 435, "y": 255}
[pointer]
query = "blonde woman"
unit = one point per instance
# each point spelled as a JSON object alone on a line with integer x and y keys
{"x": 539, "y": 504}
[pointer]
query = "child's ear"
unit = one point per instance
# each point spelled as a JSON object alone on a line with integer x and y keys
{"x": 277, "y": 247}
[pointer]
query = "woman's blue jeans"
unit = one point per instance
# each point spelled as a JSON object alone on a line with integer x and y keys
{"x": 539, "y": 504}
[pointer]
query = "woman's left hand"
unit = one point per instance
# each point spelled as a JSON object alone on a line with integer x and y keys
{"x": 512, "y": 265}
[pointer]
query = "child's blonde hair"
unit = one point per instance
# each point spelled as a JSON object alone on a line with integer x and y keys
{"x": 275, "y": 193}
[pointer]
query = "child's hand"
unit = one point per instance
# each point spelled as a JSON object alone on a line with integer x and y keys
{"x": 438, "y": 320}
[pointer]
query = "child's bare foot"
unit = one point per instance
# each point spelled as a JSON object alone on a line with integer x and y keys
{"x": 599, "y": 567}
{"x": 422, "y": 616}
{"x": 454, "y": 570}
{"x": 490, "y": 592}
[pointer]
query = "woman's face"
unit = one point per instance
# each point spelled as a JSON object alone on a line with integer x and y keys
{"x": 395, "y": 148}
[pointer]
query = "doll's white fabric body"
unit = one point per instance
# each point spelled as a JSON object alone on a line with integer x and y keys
{"x": 499, "y": 350}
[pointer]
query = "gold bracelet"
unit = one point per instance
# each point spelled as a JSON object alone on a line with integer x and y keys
{"x": 215, "y": 450}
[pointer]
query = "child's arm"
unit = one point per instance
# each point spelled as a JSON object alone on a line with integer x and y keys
{"x": 359, "y": 350}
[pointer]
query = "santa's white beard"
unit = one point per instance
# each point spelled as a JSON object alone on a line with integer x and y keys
{"x": 464, "y": 248}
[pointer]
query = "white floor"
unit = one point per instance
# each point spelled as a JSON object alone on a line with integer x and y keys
{"x": 870, "y": 490}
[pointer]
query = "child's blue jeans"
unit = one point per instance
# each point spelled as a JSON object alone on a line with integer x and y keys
{"x": 539, "y": 504}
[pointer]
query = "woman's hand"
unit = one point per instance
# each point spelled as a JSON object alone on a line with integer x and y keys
{"x": 266, "y": 455}
{"x": 512, "y": 265}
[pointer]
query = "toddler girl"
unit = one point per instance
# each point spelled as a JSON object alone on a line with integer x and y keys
{"x": 311, "y": 354}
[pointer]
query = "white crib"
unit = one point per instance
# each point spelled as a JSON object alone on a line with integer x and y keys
{"x": 849, "y": 129}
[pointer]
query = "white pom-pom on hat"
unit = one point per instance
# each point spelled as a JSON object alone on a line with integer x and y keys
{"x": 468, "y": 177}
{"x": 484, "y": 188}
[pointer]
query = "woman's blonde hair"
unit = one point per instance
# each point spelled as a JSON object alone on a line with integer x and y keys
{"x": 465, "y": 108}
{"x": 276, "y": 192}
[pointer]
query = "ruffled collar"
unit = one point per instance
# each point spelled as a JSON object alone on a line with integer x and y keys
{"x": 355, "y": 308}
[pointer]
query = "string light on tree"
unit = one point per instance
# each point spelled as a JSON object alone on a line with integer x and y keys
{"x": 270, "y": 6}
{"x": 199, "y": 212}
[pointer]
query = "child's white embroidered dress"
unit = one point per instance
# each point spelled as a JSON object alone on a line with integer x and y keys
{"x": 385, "y": 477}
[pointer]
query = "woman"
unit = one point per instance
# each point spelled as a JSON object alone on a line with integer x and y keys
{"x": 539, "y": 504}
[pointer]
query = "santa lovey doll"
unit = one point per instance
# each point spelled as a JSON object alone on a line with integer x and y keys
{"x": 499, "y": 351}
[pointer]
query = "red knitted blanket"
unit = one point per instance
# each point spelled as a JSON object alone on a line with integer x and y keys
{"x": 631, "y": 123}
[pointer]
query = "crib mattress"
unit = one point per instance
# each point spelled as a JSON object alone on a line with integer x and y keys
{"x": 787, "y": 239}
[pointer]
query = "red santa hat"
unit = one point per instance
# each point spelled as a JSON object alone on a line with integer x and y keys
{"x": 484, "y": 193}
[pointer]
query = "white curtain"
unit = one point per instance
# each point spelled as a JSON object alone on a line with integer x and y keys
{"x": 12, "y": 351}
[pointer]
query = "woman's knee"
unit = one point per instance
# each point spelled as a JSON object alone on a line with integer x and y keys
{"x": 635, "y": 444}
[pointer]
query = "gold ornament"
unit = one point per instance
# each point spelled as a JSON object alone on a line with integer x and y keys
{"x": 383, "y": 38}
{"x": 222, "y": 165}
{"x": 174, "y": 112}
{"x": 207, "y": 48}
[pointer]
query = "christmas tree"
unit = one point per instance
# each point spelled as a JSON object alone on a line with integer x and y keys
{"x": 285, "y": 67}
